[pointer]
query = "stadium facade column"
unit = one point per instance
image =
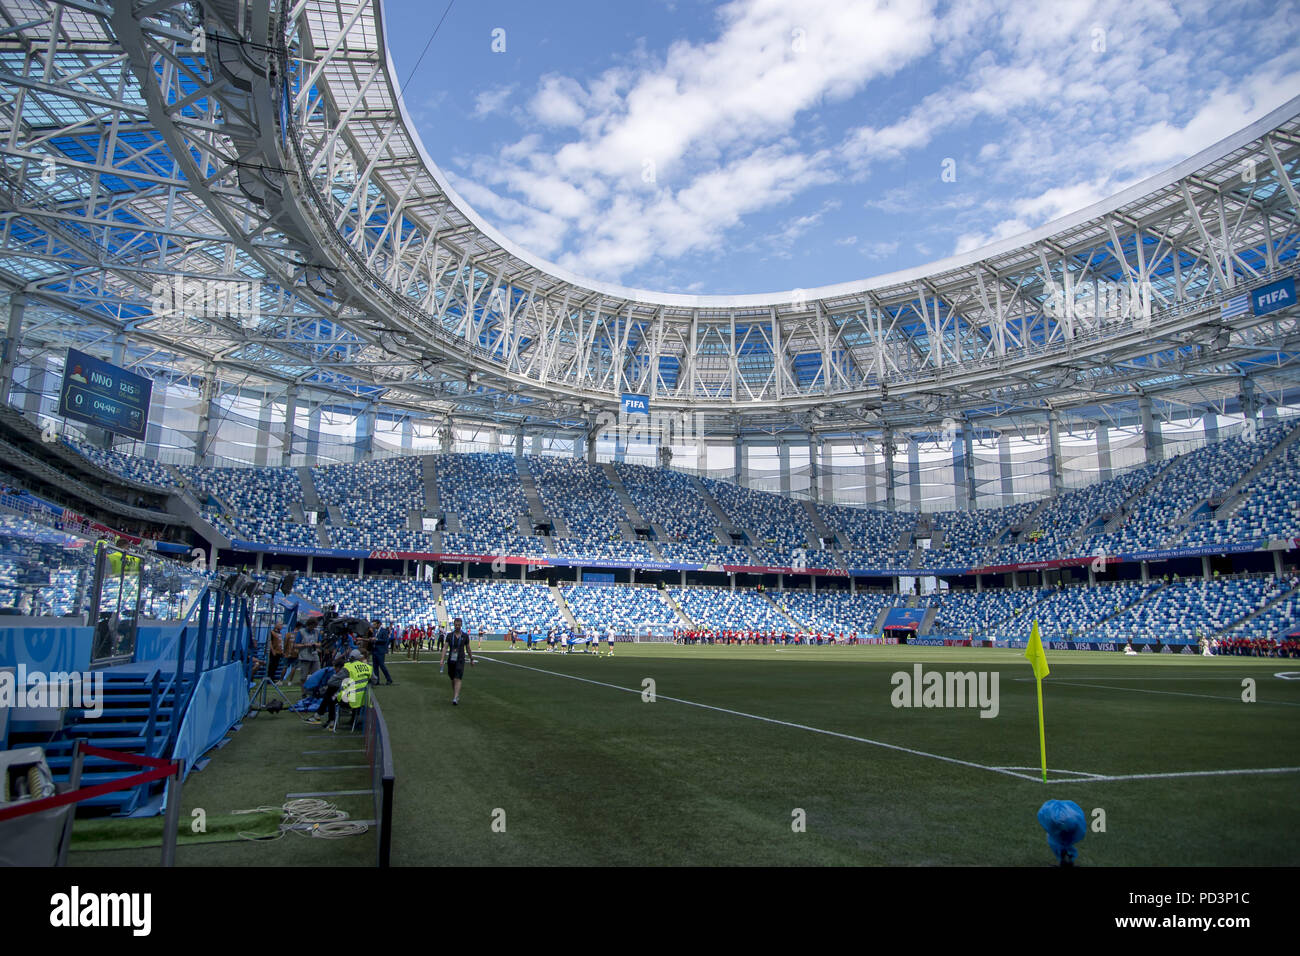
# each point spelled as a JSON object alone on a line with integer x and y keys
{"x": 1210, "y": 425}
{"x": 783, "y": 463}
{"x": 968, "y": 453}
{"x": 13, "y": 335}
{"x": 445, "y": 437}
{"x": 361, "y": 568}
{"x": 206, "y": 433}
{"x": 826, "y": 468}
{"x": 1249, "y": 408}
{"x": 1151, "y": 439}
{"x": 1205, "y": 567}
{"x": 814, "y": 467}
{"x": 366, "y": 431}
{"x": 591, "y": 441}
{"x": 738, "y": 454}
{"x": 36, "y": 385}
{"x": 290, "y": 420}
{"x": 313, "y": 433}
{"x": 262, "y": 448}
{"x": 408, "y": 433}
{"x": 1054, "y": 451}
{"x": 1104, "y": 466}
{"x": 891, "y": 502}
{"x": 1005, "y": 473}
{"x": 914, "y": 474}
{"x": 311, "y": 561}
{"x": 519, "y": 442}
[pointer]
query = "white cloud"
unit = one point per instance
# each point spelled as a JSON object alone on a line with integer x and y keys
{"x": 492, "y": 100}
{"x": 647, "y": 167}
{"x": 559, "y": 102}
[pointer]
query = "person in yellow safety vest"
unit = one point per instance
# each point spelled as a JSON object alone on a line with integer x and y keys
{"x": 355, "y": 685}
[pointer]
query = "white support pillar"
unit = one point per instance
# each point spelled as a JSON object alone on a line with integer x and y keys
{"x": 13, "y": 336}
{"x": 891, "y": 502}
{"x": 1150, "y": 432}
{"x": 290, "y": 419}
{"x": 1055, "y": 471}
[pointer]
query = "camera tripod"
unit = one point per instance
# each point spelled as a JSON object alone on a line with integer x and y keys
{"x": 257, "y": 697}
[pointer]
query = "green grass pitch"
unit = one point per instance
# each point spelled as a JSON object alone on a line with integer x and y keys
{"x": 536, "y": 768}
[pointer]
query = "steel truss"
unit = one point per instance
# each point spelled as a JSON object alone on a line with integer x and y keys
{"x": 245, "y": 141}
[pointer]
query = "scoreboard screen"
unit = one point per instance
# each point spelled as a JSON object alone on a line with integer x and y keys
{"x": 96, "y": 393}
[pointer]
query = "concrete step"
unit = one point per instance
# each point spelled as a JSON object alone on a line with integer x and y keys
{"x": 677, "y": 609}
{"x": 185, "y": 506}
{"x": 782, "y": 611}
{"x": 711, "y": 502}
{"x": 432, "y": 497}
{"x": 1141, "y": 493}
{"x": 439, "y": 605}
{"x": 563, "y": 605}
{"x": 615, "y": 482}
{"x": 1131, "y": 604}
{"x": 310, "y": 499}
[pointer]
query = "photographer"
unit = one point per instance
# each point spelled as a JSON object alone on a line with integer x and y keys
{"x": 308, "y": 642}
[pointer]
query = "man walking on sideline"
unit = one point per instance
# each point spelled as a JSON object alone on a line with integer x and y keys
{"x": 454, "y": 653}
{"x": 379, "y": 650}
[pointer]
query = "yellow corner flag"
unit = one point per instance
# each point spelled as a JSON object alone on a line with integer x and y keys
{"x": 1035, "y": 655}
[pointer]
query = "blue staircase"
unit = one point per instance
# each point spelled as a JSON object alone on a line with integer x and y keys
{"x": 144, "y": 703}
{"x": 139, "y": 717}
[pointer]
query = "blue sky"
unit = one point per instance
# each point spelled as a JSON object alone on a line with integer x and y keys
{"x": 770, "y": 145}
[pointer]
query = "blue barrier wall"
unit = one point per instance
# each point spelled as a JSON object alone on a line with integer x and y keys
{"x": 43, "y": 646}
{"x": 157, "y": 643}
{"x": 219, "y": 701}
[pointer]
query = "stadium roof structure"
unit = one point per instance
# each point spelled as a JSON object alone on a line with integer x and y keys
{"x": 167, "y": 145}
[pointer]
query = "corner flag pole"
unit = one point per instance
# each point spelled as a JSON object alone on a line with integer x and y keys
{"x": 1036, "y": 656}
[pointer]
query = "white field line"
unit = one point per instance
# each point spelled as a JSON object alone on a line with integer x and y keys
{"x": 1169, "y": 693}
{"x": 1005, "y": 771}
{"x": 768, "y": 720}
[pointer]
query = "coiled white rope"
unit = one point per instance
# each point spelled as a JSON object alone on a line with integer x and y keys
{"x": 309, "y": 816}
